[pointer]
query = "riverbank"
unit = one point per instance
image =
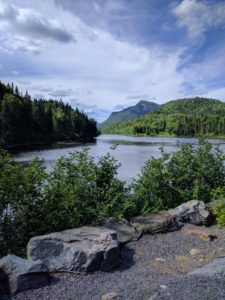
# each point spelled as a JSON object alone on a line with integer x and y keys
{"x": 45, "y": 146}
{"x": 168, "y": 135}
{"x": 154, "y": 267}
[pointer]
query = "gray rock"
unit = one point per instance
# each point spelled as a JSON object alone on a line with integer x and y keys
{"x": 214, "y": 268}
{"x": 18, "y": 274}
{"x": 193, "y": 212}
{"x": 155, "y": 223}
{"x": 125, "y": 231}
{"x": 84, "y": 249}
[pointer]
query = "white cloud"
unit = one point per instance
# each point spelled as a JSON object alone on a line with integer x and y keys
{"x": 112, "y": 69}
{"x": 27, "y": 29}
{"x": 199, "y": 16}
{"x": 25, "y": 44}
{"x": 115, "y": 71}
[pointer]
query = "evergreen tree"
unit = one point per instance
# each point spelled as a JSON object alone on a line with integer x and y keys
{"x": 23, "y": 121}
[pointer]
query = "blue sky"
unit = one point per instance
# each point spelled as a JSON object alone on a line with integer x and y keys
{"x": 104, "y": 55}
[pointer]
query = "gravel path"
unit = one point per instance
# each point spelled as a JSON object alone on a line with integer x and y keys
{"x": 155, "y": 267}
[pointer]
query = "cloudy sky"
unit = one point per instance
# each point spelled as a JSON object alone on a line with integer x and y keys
{"x": 104, "y": 55}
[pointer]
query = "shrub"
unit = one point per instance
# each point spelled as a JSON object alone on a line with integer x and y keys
{"x": 79, "y": 191}
{"x": 190, "y": 173}
{"x": 219, "y": 211}
{"x": 21, "y": 202}
{"x": 218, "y": 205}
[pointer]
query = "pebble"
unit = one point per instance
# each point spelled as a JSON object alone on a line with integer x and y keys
{"x": 163, "y": 286}
{"x": 160, "y": 259}
{"x": 194, "y": 252}
{"x": 109, "y": 296}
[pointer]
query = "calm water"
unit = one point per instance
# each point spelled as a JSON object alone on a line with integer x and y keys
{"x": 131, "y": 152}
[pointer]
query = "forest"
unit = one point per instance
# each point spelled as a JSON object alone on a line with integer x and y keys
{"x": 183, "y": 117}
{"x": 24, "y": 121}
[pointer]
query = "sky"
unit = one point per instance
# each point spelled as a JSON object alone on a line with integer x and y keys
{"x": 105, "y": 55}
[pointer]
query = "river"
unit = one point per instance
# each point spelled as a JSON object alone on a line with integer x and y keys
{"x": 131, "y": 152}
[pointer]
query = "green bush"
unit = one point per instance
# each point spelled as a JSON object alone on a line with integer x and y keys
{"x": 192, "y": 172}
{"x": 21, "y": 202}
{"x": 219, "y": 211}
{"x": 218, "y": 205}
{"x": 79, "y": 191}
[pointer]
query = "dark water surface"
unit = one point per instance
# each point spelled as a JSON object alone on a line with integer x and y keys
{"x": 131, "y": 152}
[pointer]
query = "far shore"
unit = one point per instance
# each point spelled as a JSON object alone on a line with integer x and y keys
{"x": 46, "y": 145}
{"x": 167, "y": 135}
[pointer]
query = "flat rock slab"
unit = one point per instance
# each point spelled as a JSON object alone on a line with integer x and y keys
{"x": 155, "y": 223}
{"x": 193, "y": 212}
{"x": 18, "y": 274}
{"x": 214, "y": 268}
{"x": 125, "y": 231}
{"x": 84, "y": 249}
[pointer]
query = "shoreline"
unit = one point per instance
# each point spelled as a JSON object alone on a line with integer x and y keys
{"x": 45, "y": 146}
{"x": 219, "y": 137}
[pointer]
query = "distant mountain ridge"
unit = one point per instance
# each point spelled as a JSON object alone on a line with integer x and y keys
{"x": 190, "y": 117}
{"x": 141, "y": 108}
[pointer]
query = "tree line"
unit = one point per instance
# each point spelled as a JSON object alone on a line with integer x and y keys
{"x": 26, "y": 121}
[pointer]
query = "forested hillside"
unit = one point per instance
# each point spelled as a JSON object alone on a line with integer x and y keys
{"x": 25, "y": 121}
{"x": 140, "y": 109}
{"x": 183, "y": 117}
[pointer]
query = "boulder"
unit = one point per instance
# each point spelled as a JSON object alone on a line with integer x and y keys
{"x": 18, "y": 274}
{"x": 84, "y": 249}
{"x": 212, "y": 269}
{"x": 155, "y": 223}
{"x": 193, "y": 212}
{"x": 125, "y": 231}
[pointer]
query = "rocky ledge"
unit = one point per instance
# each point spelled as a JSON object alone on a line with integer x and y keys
{"x": 72, "y": 264}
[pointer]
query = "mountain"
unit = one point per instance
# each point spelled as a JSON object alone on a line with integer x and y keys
{"x": 141, "y": 108}
{"x": 183, "y": 117}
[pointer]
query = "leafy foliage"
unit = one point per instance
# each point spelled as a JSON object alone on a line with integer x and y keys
{"x": 77, "y": 192}
{"x": 190, "y": 173}
{"x": 21, "y": 202}
{"x": 218, "y": 205}
{"x": 219, "y": 211}
{"x": 23, "y": 121}
{"x": 184, "y": 117}
{"x": 83, "y": 191}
